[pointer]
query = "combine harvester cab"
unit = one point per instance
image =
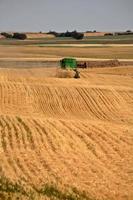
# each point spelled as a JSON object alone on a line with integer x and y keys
{"x": 70, "y": 64}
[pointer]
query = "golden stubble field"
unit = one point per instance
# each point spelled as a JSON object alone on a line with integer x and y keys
{"x": 66, "y": 138}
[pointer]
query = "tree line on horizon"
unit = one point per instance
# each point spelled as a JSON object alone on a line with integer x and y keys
{"x": 19, "y": 36}
{"x": 23, "y": 36}
{"x": 73, "y": 34}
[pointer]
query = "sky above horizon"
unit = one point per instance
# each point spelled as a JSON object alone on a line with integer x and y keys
{"x": 61, "y": 15}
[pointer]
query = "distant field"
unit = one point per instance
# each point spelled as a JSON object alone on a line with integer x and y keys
{"x": 40, "y": 49}
{"x": 123, "y": 39}
{"x": 36, "y": 52}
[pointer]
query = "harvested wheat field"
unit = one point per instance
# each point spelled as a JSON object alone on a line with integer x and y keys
{"x": 66, "y": 139}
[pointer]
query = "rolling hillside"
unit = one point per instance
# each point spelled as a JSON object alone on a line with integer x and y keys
{"x": 66, "y": 138}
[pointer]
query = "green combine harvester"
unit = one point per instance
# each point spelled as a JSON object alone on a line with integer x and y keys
{"x": 71, "y": 64}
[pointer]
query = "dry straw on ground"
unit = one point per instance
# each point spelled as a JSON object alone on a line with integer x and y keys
{"x": 72, "y": 133}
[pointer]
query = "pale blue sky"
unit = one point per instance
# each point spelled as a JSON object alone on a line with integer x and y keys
{"x": 62, "y": 15}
